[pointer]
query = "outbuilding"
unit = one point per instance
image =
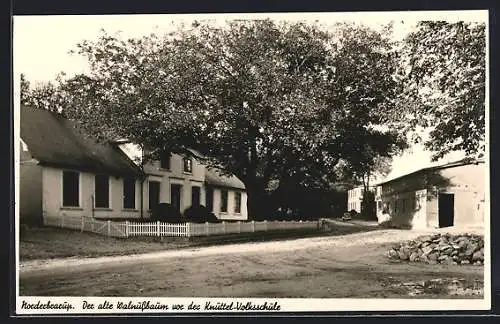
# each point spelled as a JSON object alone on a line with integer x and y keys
{"x": 452, "y": 194}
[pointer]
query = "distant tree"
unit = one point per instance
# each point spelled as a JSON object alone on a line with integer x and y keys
{"x": 443, "y": 77}
{"x": 50, "y": 95}
{"x": 25, "y": 89}
{"x": 268, "y": 102}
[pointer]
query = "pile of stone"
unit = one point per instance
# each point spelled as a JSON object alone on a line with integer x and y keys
{"x": 441, "y": 248}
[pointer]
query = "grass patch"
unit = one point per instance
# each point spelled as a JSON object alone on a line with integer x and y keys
{"x": 50, "y": 243}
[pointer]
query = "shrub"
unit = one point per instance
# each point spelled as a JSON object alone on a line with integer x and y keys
{"x": 199, "y": 214}
{"x": 166, "y": 213}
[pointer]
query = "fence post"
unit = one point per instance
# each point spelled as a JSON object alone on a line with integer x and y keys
{"x": 188, "y": 230}
{"x": 265, "y": 225}
{"x": 253, "y": 226}
{"x": 126, "y": 228}
{"x": 61, "y": 221}
{"x": 83, "y": 224}
{"x": 109, "y": 228}
{"x": 239, "y": 227}
{"x": 157, "y": 228}
{"x": 206, "y": 228}
{"x": 224, "y": 227}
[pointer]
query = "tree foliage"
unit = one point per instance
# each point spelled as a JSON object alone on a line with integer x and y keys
{"x": 444, "y": 85}
{"x": 50, "y": 96}
{"x": 268, "y": 102}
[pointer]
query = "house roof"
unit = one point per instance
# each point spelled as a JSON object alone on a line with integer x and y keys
{"x": 55, "y": 140}
{"x": 214, "y": 178}
{"x": 458, "y": 163}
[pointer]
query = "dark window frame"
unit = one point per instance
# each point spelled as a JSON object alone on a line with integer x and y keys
{"x": 237, "y": 202}
{"x": 224, "y": 200}
{"x": 101, "y": 182}
{"x": 197, "y": 190}
{"x": 70, "y": 199}
{"x": 129, "y": 193}
{"x": 187, "y": 165}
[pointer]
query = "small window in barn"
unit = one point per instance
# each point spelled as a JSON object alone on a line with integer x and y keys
{"x": 237, "y": 202}
{"x": 188, "y": 165}
{"x": 223, "y": 201}
{"x": 71, "y": 189}
{"x": 165, "y": 160}
{"x": 101, "y": 184}
{"x": 129, "y": 193}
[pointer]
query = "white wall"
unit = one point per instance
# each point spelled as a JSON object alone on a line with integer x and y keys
{"x": 52, "y": 197}
{"x": 466, "y": 183}
{"x": 175, "y": 175}
{"x": 52, "y": 193}
{"x": 230, "y": 214}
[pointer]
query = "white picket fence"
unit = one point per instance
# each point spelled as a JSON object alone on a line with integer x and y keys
{"x": 129, "y": 229}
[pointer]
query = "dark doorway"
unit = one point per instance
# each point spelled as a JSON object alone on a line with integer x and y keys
{"x": 195, "y": 196}
{"x": 446, "y": 203}
{"x": 210, "y": 198}
{"x": 175, "y": 196}
{"x": 154, "y": 194}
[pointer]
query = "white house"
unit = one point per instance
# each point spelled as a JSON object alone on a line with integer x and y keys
{"x": 183, "y": 180}
{"x": 65, "y": 172}
{"x": 355, "y": 197}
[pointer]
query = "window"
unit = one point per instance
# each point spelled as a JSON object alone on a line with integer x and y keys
{"x": 188, "y": 165}
{"x": 223, "y": 201}
{"x": 237, "y": 202}
{"x": 175, "y": 196}
{"x": 154, "y": 194}
{"x": 71, "y": 189}
{"x": 195, "y": 196}
{"x": 165, "y": 161}
{"x": 129, "y": 193}
{"x": 101, "y": 184}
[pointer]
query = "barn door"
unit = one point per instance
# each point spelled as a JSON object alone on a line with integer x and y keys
{"x": 446, "y": 206}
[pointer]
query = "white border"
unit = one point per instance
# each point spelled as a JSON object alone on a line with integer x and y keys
{"x": 288, "y": 304}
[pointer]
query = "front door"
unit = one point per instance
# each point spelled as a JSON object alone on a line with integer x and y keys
{"x": 195, "y": 196}
{"x": 154, "y": 194}
{"x": 175, "y": 196}
{"x": 210, "y": 198}
{"x": 446, "y": 203}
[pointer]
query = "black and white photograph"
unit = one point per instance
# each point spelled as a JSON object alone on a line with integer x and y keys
{"x": 260, "y": 162}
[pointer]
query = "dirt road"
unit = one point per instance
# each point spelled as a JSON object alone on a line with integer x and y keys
{"x": 328, "y": 267}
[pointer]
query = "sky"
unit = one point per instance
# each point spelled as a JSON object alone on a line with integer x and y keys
{"x": 42, "y": 44}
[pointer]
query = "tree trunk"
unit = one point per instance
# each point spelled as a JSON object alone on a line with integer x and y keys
{"x": 256, "y": 200}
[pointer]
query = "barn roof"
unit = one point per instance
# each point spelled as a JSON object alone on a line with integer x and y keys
{"x": 458, "y": 163}
{"x": 56, "y": 141}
